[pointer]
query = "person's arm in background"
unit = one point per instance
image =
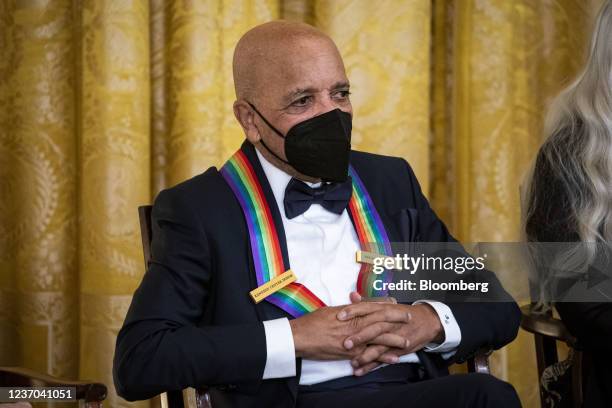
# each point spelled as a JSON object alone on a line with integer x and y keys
{"x": 160, "y": 347}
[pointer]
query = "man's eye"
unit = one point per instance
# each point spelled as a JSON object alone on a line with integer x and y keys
{"x": 342, "y": 94}
{"x": 302, "y": 101}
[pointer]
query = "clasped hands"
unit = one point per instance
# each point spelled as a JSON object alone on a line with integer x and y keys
{"x": 368, "y": 333}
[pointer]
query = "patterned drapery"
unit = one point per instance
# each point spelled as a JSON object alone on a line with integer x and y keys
{"x": 105, "y": 102}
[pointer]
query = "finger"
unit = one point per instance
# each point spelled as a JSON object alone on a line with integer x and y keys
{"x": 355, "y": 297}
{"x": 379, "y": 299}
{"x": 367, "y": 334}
{"x": 365, "y": 369}
{"x": 358, "y": 309}
{"x": 391, "y": 312}
{"x": 390, "y": 356}
{"x": 391, "y": 340}
{"x": 369, "y": 355}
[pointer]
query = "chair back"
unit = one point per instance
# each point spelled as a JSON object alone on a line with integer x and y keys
{"x": 146, "y": 232}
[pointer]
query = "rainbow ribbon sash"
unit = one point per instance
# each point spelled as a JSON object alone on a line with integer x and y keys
{"x": 295, "y": 298}
{"x": 371, "y": 233}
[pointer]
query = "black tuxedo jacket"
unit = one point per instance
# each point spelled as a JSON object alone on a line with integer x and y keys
{"x": 192, "y": 321}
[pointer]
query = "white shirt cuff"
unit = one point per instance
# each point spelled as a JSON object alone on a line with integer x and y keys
{"x": 280, "y": 360}
{"x": 452, "y": 332}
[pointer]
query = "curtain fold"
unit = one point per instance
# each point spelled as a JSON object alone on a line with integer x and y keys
{"x": 114, "y": 163}
{"x": 507, "y": 60}
{"x": 103, "y": 103}
{"x": 39, "y": 320}
{"x": 386, "y": 52}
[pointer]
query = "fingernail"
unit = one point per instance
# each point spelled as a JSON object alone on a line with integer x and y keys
{"x": 358, "y": 372}
{"x": 354, "y": 363}
{"x": 348, "y": 344}
{"x": 342, "y": 315}
{"x": 394, "y": 359}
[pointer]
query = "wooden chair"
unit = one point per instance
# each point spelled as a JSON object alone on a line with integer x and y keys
{"x": 200, "y": 398}
{"x": 91, "y": 393}
{"x": 547, "y": 330}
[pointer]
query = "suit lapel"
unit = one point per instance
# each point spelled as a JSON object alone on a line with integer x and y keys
{"x": 267, "y": 310}
{"x": 401, "y": 226}
{"x": 372, "y": 188}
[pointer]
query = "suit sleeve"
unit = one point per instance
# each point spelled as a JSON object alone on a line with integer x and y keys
{"x": 485, "y": 324}
{"x": 162, "y": 345}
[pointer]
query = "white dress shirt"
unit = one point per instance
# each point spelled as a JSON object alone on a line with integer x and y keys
{"x": 321, "y": 246}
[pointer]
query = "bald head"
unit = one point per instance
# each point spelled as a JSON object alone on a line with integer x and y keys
{"x": 267, "y": 50}
{"x": 287, "y": 73}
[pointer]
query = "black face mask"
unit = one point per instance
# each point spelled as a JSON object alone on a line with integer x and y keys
{"x": 318, "y": 147}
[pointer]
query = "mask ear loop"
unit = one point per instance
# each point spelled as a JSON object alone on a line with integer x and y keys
{"x": 274, "y": 129}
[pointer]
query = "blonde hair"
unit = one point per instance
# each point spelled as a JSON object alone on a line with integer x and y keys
{"x": 578, "y": 147}
{"x": 578, "y": 152}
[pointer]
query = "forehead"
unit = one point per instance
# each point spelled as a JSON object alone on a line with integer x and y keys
{"x": 311, "y": 63}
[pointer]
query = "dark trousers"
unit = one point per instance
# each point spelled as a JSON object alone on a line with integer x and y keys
{"x": 459, "y": 390}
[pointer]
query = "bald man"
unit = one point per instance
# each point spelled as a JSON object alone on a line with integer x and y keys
{"x": 289, "y": 210}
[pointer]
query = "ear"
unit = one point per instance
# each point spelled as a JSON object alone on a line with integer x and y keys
{"x": 246, "y": 117}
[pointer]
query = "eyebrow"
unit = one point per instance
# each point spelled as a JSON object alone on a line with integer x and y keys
{"x": 300, "y": 91}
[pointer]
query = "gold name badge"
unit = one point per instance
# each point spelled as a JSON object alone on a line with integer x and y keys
{"x": 260, "y": 293}
{"x": 369, "y": 257}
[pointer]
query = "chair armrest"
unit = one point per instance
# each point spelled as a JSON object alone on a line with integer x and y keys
{"x": 24, "y": 377}
{"x": 545, "y": 325}
{"x": 480, "y": 362}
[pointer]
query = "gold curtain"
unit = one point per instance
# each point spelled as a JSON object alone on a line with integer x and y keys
{"x": 103, "y": 103}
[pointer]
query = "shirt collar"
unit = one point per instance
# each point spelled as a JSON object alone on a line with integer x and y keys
{"x": 277, "y": 178}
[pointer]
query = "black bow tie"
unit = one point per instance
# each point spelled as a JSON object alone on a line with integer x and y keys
{"x": 299, "y": 196}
